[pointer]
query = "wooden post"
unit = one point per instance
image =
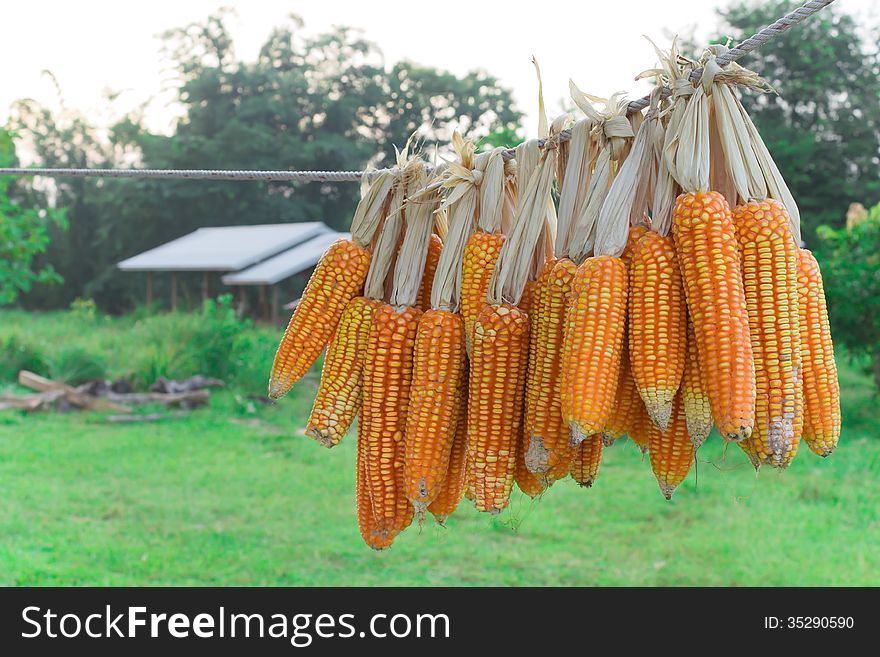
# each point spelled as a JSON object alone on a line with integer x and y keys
{"x": 274, "y": 304}
{"x": 204, "y": 286}
{"x": 173, "y": 291}
{"x": 263, "y": 312}
{"x": 149, "y": 288}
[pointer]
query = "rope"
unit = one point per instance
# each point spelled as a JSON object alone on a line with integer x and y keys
{"x": 763, "y": 36}
{"x": 194, "y": 174}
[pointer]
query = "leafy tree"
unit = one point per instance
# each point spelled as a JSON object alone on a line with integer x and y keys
{"x": 307, "y": 102}
{"x": 851, "y": 273}
{"x": 823, "y": 128}
{"x": 23, "y": 233}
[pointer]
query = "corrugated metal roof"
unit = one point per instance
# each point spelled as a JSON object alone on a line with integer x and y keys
{"x": 226, "y": 248}
{"x": 286, "y": 264}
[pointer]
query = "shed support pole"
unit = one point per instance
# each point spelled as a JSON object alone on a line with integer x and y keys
{"x": 263, "y": 303}
{"x": 173, "y": 291}
{"x": 149, "y": 288}
{"x": 205, "y": 291}
{"x": 274, "y": 304}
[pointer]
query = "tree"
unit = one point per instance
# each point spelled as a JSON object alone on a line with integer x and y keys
{"x": 851, "y": 272}
{"x": 307, "y": 102}
{"x": 823, "y": 128}
{"x": 23, "y": 233}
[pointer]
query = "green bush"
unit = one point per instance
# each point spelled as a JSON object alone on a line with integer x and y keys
{"x": 214, "y": 342}
{"x": 17, "y": 355}
{"x": 850, "y": 260}
{"x": 75, "y": 365}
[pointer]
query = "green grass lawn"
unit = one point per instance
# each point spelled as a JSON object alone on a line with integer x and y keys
{"x": 235, "y": 495}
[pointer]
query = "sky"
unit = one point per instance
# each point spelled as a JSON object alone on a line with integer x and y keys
{"x": 96, "y": 46}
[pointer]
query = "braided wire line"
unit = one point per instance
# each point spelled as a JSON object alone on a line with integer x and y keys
{"x": 195, "y": 174}
{"x": 763, "y": 36}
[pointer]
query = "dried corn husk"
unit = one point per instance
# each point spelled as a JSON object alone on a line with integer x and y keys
{"x": 628, "y": 195}
{"x": 612, "y": 132}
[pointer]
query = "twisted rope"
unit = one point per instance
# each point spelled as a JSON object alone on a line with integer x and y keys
{"x": 763, "y": 36}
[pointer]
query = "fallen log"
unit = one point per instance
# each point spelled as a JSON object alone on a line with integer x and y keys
{"x": 30, "y": 403}
{"x": 197, "y": 382}
{"x": 149, "y": 417}
{"x": 80, "y": 399}
{"x": 186, "y": 399}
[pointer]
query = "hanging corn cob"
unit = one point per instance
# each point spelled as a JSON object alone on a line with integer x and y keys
{"x": 595, "y": 317}
{"x": 387, "y": 375}
{"x": 706, "y": 246}
{"x": 439, "y": 362}
{"x": 657, "y": 325}
{"x": 769, "y": 264}
{"x": 484, "y": 244}
{"x": 694, "y": 397}
{"x": 548, "y": 449}
{"x": 768, "y": 259}
{"x": 500, "y": 348}
{"x": 340, "y": 393}
{"x": 671, "y": 451}
{"x": 820, "y": 384}
{"x": 528, "y": 482}
{"x": 586, "y": 459}
{"x": 452, "y": 489}
{"x": 628, "y": 404}
{"x": 338, "y": 277}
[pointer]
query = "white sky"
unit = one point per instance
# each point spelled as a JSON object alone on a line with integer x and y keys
{"x": 97, "y": 45}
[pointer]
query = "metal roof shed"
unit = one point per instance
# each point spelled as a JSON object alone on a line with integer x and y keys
{"x": 220, "y": 249}
{"x": 284, "y": 265}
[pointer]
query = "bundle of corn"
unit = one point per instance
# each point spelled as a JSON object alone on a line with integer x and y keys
{"x": 547, "y": 449}
{"x": 340, "y": 392}
{"x": 436, "y": 402}
{"x": 657, "y": 319}
{"x": 387, "y": 375}
{"x": 488, "y": 360}
{"x": 338, "y": 277}
{"x": 706, "y": 247}
{"x": 500, "y": 344}
{"x": 595, "y": 317}
{"x": 766, "y": 233}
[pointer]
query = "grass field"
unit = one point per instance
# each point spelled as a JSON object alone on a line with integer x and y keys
{"x": 234, "y": 495}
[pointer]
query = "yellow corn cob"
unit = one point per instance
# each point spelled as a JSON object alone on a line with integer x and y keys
{"x": 593, "y": 345}
{"x": 435, "y": 246}
{"x": 340, "y": 393}
{"x": 528, "y": 482}
{"x": 478, "y": 263}
{"x": 388, "y": 367}
{"x": 453, "y": 485}
{"x": 694, "y": 399}
{"x": 820, "y": 385}
{"x": 372, "y": 531}
{"x": 657, "y": 325}
{"x": 438, "y": 370}
{"x": 628, "y": 405}
{"x": 769, "y": 267}
{"x": 497, "y": 379}
{"x": 548, "y": 451}
{"x": 706, "y": 245}
{"x": 671, "y": 451}
{"x": 640, "y": 431}
{"x": 337, "y": 279}
{"x": 586, "y": 459}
